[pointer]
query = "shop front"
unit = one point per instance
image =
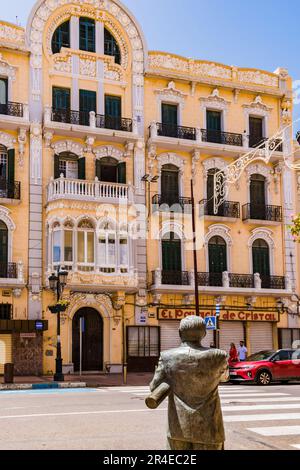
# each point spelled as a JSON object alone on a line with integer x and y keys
{"x": 256, "y": 328}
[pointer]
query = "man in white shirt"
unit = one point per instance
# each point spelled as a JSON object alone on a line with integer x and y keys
{"x": 242, "y": 351}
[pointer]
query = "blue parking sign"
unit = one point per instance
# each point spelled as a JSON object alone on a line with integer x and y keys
{"x": 211, "y": 323}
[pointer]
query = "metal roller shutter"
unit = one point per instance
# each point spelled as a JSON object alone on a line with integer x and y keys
{"x": 231, "y": 332}
{"x": 5, "y": 351}
{"x": 261, "y": 336}
{"x": 169, "y": 336}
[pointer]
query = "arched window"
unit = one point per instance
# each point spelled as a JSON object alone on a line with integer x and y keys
{"x": 3, "y": 164}
{"x": 112, "y": 249}
{"x": 3, "y": 94}
{"x": 87, "y": 35}
{"x": 61, "y": 37}
{"x": 217, "y": 254}
{"x": 111, "y": 171}
{"x": 258, "y": 197}
{"x": 111, "y": 46}
{"x": 3, "y": 250}
{"x": 170, "y": 185}
{"x": 261, "y": 261}
{"x": 86, "y": 246}
{"x": 62, "y": 245}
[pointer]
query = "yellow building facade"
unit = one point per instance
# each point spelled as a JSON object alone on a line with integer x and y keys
{"x": 100, "y": 143}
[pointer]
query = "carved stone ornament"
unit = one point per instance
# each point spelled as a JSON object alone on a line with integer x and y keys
{"x": 286, "y": 112}
{"x": 12, "y": 34}
{"x": 170, "y": 159}
{"x": 68, "y": 146}
{"x": 108, "y": 151}
{"x": 7, "y": 140}
{"x": 259, "y": 169}
{"x": 48, "y": 136}
{"x": 171, "y": 92}
{"x": 7, "y": 70}
{"x": 22, "y": 138}
{"x": 258, "y": 78}
{"x": 220, "y": 231}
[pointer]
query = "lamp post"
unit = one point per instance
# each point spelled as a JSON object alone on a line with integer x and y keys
{"x": 57, "y": 284}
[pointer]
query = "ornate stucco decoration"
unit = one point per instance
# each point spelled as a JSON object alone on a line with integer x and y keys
{"x": 128, "y": 280}
{"x": 259, "y": 169}
{"x": 213, "y": 164}
{"x": 215, "y": 101}
{"x": 170, "y": 159}
{"x": 286, "y": 111}
{"x": 218, "y": 230}
{"x": 5, "y": 217}
{"x": 22, "y": 139}
{"x": 7, "y": 70}
{"x": 264, "y": 234}
{"x": 12, "y": 35}
{"x": 258, "y": 77}
{"x": 68, "y": 146}
{"x": 171, "y": 93}
{"x": 7, "y": 140}
{"x": 257, "y": 107}
{"x": 196, "y": 155}
{"x": 62, "y": 63}
{"x": 108, "y": 151}
{"x": 101, "y": 302}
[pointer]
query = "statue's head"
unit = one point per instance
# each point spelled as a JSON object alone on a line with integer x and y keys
{"x": 192, "y": 329}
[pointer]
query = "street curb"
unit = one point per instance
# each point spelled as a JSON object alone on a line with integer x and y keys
{"x": 42, "y": 386}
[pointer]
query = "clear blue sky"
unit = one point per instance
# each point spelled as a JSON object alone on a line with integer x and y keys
{"x": 258, "y": 33}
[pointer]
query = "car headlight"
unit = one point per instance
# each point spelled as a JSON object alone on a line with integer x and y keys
{"x": 248, "y": 367}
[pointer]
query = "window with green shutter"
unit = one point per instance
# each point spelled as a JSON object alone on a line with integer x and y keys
{"x": 110, "y": 170}
{"x": 11, "y": 173}
{"x": 111, "y": 47}
{"x": 171, "y": 253}
{"x": 113, "y": 112}
{"x": 61, "y": 37}
{"x": 87, "y": 35}
{"x": 81, "y": 169}
{"x": 61, "y": 98}
{"x": 87, "y": 103}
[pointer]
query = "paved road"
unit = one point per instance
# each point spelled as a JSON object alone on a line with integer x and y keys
{"x": 116, "y": 418}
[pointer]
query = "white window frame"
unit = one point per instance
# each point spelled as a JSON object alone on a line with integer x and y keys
{"x": 87, "y": 267}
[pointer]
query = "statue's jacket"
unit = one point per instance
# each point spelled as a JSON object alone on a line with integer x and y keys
{"x": 194, "y": 410}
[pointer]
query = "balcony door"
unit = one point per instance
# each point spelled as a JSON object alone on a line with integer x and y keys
{"x": 3, "y": 250}
{"x": 211, "y": 194}
{"x": 261, "y": 261}
{"x": 256, "y": 131}
{"x": 87, "y": 103}
{"x": 217, "y": 254}
{"x": 170, "y": 185}
{"x": 258, "y": 197}
{"x": 110, "y": 170}
{"x": 214, "y": 126}
{"x": 169, "y": 114}
{"x": 171, "y": 259}
{"x": 3, "y": 95}
{"x": 61, "y": 104}
{"x": 113, "y": 112}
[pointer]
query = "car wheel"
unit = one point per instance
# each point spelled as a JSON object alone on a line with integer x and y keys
{"x": 264, "y": 378}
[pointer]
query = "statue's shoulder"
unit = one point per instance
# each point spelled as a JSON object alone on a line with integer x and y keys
{"x": 219, "y": 353}
{"x": 165, "y": 355}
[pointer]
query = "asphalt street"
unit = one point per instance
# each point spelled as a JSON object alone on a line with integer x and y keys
{"x": 262, "y": 418}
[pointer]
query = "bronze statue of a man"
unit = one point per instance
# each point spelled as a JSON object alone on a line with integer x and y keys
{"x": 191, "y": 375}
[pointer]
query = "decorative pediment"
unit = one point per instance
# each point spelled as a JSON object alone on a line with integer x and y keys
{"x": 68, "y": 146}
{"x": 5, "y": 217}
{"x": 257, "y": 107}
{"x": 7, "y": 70}
{"x": 264, "y": 234}
{"x": 219, "y": 230}
{"x": 170, "y": 159}
{"x": 171, "y": 93}
{"x": 213, "y": 164}
{"x": 215, "y": 101}
{"x": 259, "y": 169}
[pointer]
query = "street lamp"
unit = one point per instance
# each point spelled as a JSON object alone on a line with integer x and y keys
{"x": 57, "y": 284}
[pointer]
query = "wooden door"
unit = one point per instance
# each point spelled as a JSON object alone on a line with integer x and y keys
{"x": 256, "y": 131}
{"x": 3, "y": 250}
{"x": 170, "y": 185}
{"x": 258, "y": 197}
{"x": 92, "y": 340}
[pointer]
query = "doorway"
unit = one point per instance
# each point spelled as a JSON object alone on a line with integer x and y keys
{"x": 92, "y": 340}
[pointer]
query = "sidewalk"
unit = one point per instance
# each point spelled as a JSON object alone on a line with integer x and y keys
{"x": 101, "y": 380}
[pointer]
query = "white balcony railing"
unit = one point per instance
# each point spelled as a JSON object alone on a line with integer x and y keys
{"x": 97, "y": 191}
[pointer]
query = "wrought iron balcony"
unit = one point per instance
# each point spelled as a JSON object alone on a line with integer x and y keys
{"x": 178, "y": 132}
{"x": 8, "y": 270}
{"x": 68, "y": 116}
{"x": 10, "y": 190}
{"x": 273, "y": 282}
{"x": 12, "y": 109}
{"x": 225, "y": 138}
{"x": 115, "y": 123}
{"x": 245, "y": 281}
{"x": 227, "y": 209}
{"x": 210, "y": 279}
{"x": 174, "y": 278}
{"x": 169, "y": 203}
{"x": 262, "y": 212}
{"x": 254, "y": 142}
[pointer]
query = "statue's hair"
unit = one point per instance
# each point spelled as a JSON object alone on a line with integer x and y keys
{"x": 192, "y": 328}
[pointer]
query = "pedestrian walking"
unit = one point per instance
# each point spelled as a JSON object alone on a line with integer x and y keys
{"x": 233, "y": 354}
{"x": 242, "y": 351}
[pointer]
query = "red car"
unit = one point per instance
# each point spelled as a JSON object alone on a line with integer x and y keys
{"x": 265, "y": 367}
